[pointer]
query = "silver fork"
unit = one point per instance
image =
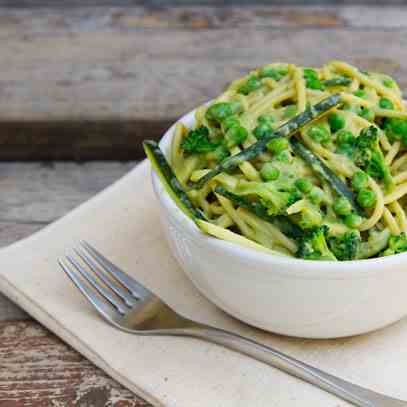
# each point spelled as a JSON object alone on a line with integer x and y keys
{"x": 129, "y": 306}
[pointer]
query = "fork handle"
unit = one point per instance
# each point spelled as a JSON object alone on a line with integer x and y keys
{"x": 357, "y": 395}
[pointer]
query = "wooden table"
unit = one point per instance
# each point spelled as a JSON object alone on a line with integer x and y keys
{"x": 87, "y": 83}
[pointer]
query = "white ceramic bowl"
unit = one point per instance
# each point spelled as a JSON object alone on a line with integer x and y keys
{"x": 285, "y": 295}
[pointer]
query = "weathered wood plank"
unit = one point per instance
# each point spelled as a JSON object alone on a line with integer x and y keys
{"x": 93, "y": 82}
{"x": 37, "y": 369}
{"x": 35, "y": 194}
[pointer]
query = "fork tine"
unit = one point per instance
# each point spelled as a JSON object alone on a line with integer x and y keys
{"x": 101, "y": 290}
{"x": 89, "y": 294}
{"x": 117, "y": 290}
{"x": 135, "y": 288}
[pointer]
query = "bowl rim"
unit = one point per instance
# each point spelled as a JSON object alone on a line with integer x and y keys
{"x": 316, "y": 268}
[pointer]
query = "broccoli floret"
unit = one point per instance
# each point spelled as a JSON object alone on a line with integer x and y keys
{"x": 368, "y": 155}
{"x": 197, "y": 141}
{"x": 276, "y": 195}
{"x": 397, "y": 244}
{"x": 313, "y": 245}
{"x": 345, "y": 247}
{"x": 306, "y": 214}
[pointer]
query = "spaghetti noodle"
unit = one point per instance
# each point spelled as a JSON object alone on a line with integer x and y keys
{"x": 347, "y": 185}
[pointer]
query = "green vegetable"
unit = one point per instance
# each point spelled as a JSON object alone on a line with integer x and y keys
{"x": 388, "y": 82}
{"x": 286, "y": 130}
{"x": 262, "y": 130}
{"x": 338, "y": 81}
{"x": 325, "y": 173}
{"x": 319, "y": 133}
{"x": 304, "y": 185}
{"x": 310, "y": 217}
{"x": 366, "y": 114}
{"x": 360, "y": 180}
{"x": 346, "y": 149}
{"x": 360, "y": 93}
{"x": 266, "y": 118}
{"x": 344, "y": 137}
{"x": 366, "y": 198}
{"x": 368, "y": 155}
{"x": 353, "y": 220}
{"x": 269, "y": 172}
{"x": 313, "y": 246}
{"x": 276, "y": 195}
{"x": 397, "y": 244}
{"x": 316, "y": 195}
{"x": 169, "y": 180}
{"x": 311, "y": 79}
{"x": 396, "y": 129}
{"x": 336, "y": 122}
{"x": 221, "y": 153}
{"x": 342, "y": 207}
{"x": 220, "y": 111}
{"x": 290, "y": 111}
{"x": 284, "y": 156}
{"x": 277, "y": 145}
{"x": 385, "y": 103}
{"x": 376, "y": 242}
{"x": 250, "y": 85}
{"x": 236, "y": 135}
{"x": 274, "y": 73}
{"x": 283, "y": 223}
{"x": 229, "y": 122}
{"x": 345, "y": 247}
{"x": 197, "y": 141}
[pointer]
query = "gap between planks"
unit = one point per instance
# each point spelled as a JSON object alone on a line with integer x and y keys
{"x": 93, "y": 82}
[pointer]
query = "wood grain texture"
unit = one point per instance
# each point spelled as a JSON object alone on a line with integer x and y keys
{"x": 85, "y": 83}
{"x": 37, "y": 369}
{"x": 35, "y": 194}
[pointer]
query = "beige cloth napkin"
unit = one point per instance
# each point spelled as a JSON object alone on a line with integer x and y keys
{"x": 123, "y": 223}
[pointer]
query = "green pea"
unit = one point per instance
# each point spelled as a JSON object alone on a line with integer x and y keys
{"x": 399, "y": 126}
{"x": 319, "y": 133}
{"x": 366, "y": 114}
{"x": 385, "y": 103}
{"x": 345, "y": 137}
{"x": 221, "y": 153}
{"x": 360, "y": 93}
{"x": 346, "y": 149}
{"x": 220, "y": 111}
{"x": 277, "y": 145}
{"x": 342, "y": 206}
{"x": 353, "y": 220}
{"x": 290, "y": 111}
{"x": 304, "y": 185}
{"x": 266, "y": 118}
{"x": 236, "y": 135}
{"x": 388, "y": 82}
{"x": 316, "y": 195}
{"x": 366, "y": 198}
{"x": 250, "y": 85}
{"x": 261, "y": 130}
{"x": 284, "y": 156}
{"x": 314, "y": 84}
{"x": 229, "y": 122}
{"x": 269, "y": 173}
{"x": 360, "y": 180}
{"x": 310, "y": 73}
{"x": 336, "y": 121}
{"x": 274, "y": 73}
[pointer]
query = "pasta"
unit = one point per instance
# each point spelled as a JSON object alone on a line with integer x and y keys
{"x": 321, "y": 190}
